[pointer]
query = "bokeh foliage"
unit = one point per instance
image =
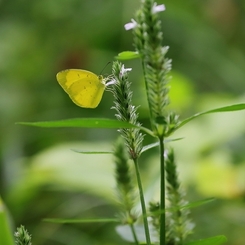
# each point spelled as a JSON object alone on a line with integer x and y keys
{"x": 40, "y": 38}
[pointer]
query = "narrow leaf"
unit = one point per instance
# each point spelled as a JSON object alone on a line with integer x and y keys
{"x": 92, "y": 152}
{"x": 72, "y": 221}
{"x": 81, "y": 122}
{"x": 236, "y": 107}
{"x": 150, "y": 146}
{"x": 86, "y": 123}
{"x": 6, "y": 233}
{"x": 187, "y": 206}
{"x": 217, "y": 240}
{"x": 127, "y": 55}
{"x": 198, "y": 203}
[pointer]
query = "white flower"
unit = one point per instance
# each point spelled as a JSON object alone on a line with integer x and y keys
{"x": 130, "y": 25}
{"x": 158, "y": 8}
{"x": 123, "y": 71}
{"x": 113, "y": 81}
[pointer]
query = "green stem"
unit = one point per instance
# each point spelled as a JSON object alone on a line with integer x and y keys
{"x": 130, "y": 220}
{"x": 148, "y": 100}
{"x": 134, "y": 234}
{"x": 162, "y": 193}
{"x": 142, "y": 200}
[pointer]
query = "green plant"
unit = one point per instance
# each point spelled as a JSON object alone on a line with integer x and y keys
{"x": 22, "y": 237}
{"x": 170, "y": 222}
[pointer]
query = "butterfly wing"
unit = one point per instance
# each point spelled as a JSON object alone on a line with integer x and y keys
{"x": 84, "y": 87}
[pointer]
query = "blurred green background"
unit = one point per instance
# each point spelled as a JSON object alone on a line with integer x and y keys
{"x": 42, "y": 178}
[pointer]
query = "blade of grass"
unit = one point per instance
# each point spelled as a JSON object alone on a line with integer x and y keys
{"x": 150, "y": 146}
{"x": 81, "y": 122}
{"x": 6, "y": 234}
{"x": 72, "y": 221}
{"x": 92, "y": 152}
{"x": 230, "y": 108}
{"x": 86, "y": 123}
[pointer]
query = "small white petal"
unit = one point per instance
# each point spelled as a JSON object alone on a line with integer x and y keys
{"x": 124, "y": 70}
{"x": 113, "y": 81}
{"x": 158, "y": 8}
{"x": 130, "y": 25}
{"x": 127, "y": 69}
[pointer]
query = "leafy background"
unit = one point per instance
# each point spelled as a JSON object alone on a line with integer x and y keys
{"x": 41, "y": 177}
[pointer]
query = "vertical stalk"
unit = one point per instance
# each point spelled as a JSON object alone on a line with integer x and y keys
{"x": 142, "y": 200}
{"x": 162, "y": 193}
{"x": 148, "y": 100}
{"x": 134, "y": 234}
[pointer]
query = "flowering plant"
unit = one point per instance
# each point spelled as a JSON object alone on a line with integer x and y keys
{"x": 166, "y": 222}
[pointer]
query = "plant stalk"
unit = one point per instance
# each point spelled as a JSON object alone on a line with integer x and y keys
{"x": 142, "y": 200}
{"x": 134, "y": 234}
{"x": 148, "y": 100}
{"x": 162, "y": 193}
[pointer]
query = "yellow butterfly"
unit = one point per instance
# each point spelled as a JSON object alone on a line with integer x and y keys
{"x": 84, "y": 87}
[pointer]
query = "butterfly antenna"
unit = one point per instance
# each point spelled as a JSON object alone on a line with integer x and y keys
{"x": 105, "y": 67}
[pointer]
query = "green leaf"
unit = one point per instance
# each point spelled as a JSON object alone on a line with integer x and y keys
{"x": 187, "y": 206}
{"x": 72, "y": 221}
{"x": 6, "y": 236}
{"x": 236, "y": 107}
{"x": 150, "y": 146}
{"x": 145, "y": 148}
{"x": 92, "y": 152}
{"x": 198, "y": 203}
{"x": 81, "y": 122}
{"x": 127, "y": 55}
{"x": 86, "y": 123}
{"x": 217, "y": 240}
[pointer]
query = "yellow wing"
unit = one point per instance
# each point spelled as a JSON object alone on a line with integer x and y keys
{"x": 84, "y": 87}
